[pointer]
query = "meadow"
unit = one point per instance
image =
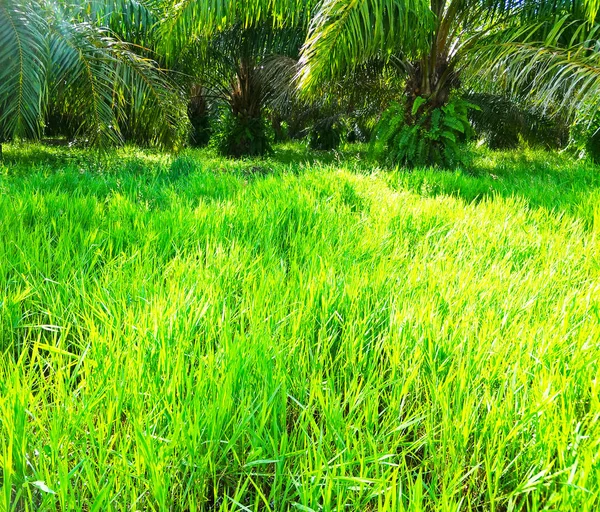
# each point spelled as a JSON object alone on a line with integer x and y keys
{"x": 300, "y": 332}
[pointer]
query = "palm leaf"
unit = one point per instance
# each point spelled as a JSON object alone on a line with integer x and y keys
{"x": 188, "y": 20}
{"x": 23, "y": 64}
{"x": 555, "y": 63}
{"x": 113, "y": 90}
{"x": 153, "y": 106}
{"x": 346, "y": 33}
{"x": 84, "y": 71}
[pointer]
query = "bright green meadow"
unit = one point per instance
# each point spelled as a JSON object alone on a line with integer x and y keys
{"x": 304, "y": 332}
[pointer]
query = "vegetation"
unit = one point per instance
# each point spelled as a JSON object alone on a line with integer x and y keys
{"x": 505, "y": 124}
{"x": 424, "y": 135}
{"x": 187, "y": 333}
{"x": 114, "y": 71}
{"x": 54, "y": 60}
{"x": 385, "y": 314}
{"x": 535, "y": 49}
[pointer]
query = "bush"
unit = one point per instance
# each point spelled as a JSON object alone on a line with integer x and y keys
{"x": 326, "y": 134}
{"x": 497, "y": 120}
{"x": 504, "y": 123}
{"x": 201, "y": 127}
{"x": 360, "y": 130}
{"x": 239, "y": 136}
{"x": 585, "y": 136}
{"x": 592, "y": 146}
{"x": 425, "y": 135}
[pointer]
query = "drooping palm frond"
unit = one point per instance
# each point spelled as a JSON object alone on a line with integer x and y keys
{"x": 555, "y": 63}
{"x": 103, "y": 82}
{"x": 23, "y": 64}
{"x": 217, "y": 61}
{"x": 134, "y": 21}
{"x": 116, "y": 92}
{"x": 147, "y": 94}
{"x": 504, "y": 122}
{"x": 189, "y": 20}
{"x": 278, "y": 73}
{"x": 344, "y": 34}
{"x": 431, "y": 34}
{"x": 84, "y": 72}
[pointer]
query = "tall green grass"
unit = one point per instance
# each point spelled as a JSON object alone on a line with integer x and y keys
{"x": 298, "y": 333}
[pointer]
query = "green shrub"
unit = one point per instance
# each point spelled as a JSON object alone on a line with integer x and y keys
{"x": 238, "y": 136}
{"x": 326, "y": 134}
{"x": 423, "y": 136}
{"x": 504, "y": 123}
{"x": 360, "y": 130}
{"x": 497, "y": 120}
{"x": 592, "y": 146}
{"x": 201, "y": 129}
{"x": 585, "y": 136}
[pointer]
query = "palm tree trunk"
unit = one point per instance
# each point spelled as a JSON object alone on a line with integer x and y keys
{"x": 246, "y": 94}
{"x": 198, "y": 116}
{"x": 432, "y": 83}
{"x": 246, "y": 106}
{"x": 277, "y": 128}
{"x": 434, "y": 77}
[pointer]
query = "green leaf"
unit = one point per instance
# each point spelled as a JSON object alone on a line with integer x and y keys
{"x": 449, "y": 135}
{"x": 41, "y": 485}
{"x": 419, "y": 100}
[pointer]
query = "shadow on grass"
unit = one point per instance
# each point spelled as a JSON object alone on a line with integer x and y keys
{"x": 143, "y": 176}
{"x": 542, "y": 179}
{"x": 55, "y": 155}
{"x": 300, "y": 153}
{"x": 557, "y": 182}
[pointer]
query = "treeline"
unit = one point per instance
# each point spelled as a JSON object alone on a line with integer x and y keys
{"x": 415, "y": 79}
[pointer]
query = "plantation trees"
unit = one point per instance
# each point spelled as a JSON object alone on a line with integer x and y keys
{"x": 228, "y": 46}
{"x": 91, "y": 67}
{"x": 234, "y": 65}
{"x": 533, "y": 47}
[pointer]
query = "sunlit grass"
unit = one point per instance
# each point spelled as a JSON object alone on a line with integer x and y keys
{"x": 305, "y": 332}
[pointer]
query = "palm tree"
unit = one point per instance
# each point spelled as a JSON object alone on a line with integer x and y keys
{"x": 545, "y": 49}
{"x": 228, "y": 47}
{"x": 233, "y": 64}
{"x": 53, "y": 56}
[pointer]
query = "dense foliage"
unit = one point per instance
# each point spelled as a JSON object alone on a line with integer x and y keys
{"x": 541, "y": 51}
{"x": 326, "y": 134}
{"x": 56, "y": 60}
{"x": 425, "y": 135}
{"x": 238, "y": 135}
{"x": 505, "y": 123}
{"x": 407, "y": 324}
{"x": 107, "y": 72}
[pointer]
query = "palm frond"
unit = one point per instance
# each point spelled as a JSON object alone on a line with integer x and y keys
{"x": 154, "y": 107}
{"x": 84, "y": 70}
{"x": 344, "y": 34}
{"x": 115, "y": 92}
{"x": 133, "y": 20}
{"x": 23, "y": 65}
{"x": 555, "y": 63}
{"x": 188, "y": 20}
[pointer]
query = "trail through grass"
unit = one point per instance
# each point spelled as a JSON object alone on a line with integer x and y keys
{"x": 186, "y": 333}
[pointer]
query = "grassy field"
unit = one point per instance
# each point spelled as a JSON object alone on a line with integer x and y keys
{"x": 303, "y": 333}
